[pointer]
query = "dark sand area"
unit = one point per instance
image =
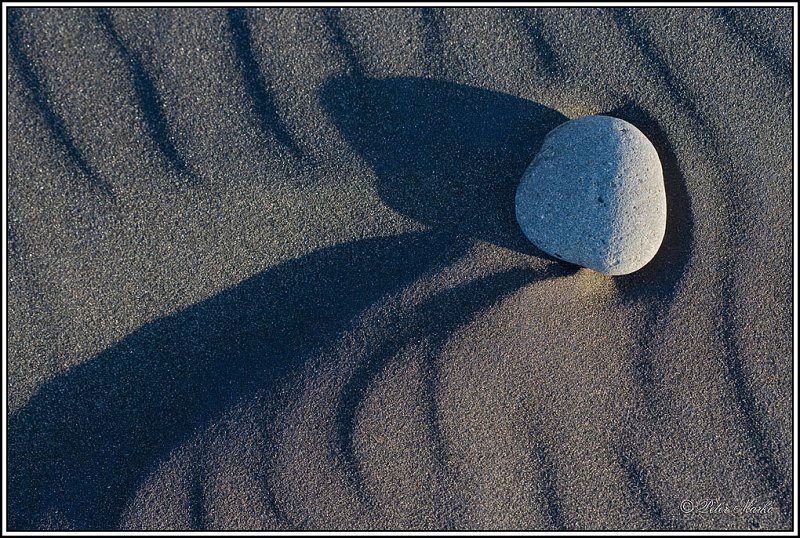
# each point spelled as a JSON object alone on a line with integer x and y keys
{"x": 264, "y": 272}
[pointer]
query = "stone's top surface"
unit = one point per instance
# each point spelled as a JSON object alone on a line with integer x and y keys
{"x": 594, "y": 196}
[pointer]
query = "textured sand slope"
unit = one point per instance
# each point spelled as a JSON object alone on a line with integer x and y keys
{"x": 264, "y": 272}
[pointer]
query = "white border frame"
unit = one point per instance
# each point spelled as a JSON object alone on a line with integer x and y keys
{"x": 794, "y": 7}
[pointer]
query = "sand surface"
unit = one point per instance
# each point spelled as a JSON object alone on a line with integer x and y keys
{"x": 264, "y": 272}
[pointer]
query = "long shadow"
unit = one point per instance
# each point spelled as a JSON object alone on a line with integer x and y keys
{"x": 763, "y": 451}
{"x": 430, "y": 26}
{"x": 149, "y": 100}
{"x": 83, "y": 444}
{"x": 447, "y": 155}
{"x": 433, "y": 321}
{"x": 548, "y": 481}
{"x": 333, "y": 21}
{"x": 87, "y": 438}
{"x": 734, "y": 19}
{"x": 258, "y": 86}
{"x": 539, "y": 45}
{"x": 645, "y": 495}
{"x": 656, "y": 283}
{"x": 55, "y": 123}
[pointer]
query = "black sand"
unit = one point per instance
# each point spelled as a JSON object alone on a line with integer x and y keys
{"x": 263, "y": 272}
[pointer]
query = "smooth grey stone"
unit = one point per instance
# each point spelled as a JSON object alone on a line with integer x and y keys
{"x": 594, "y": 196}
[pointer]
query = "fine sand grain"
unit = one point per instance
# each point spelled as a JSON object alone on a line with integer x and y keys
{"x": 264, "y": 272}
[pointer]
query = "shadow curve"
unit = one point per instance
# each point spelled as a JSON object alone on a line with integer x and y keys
{"x": 656, "y": 283}
{"x": 55, "y": 123}
{"x": 82, "y": 445}
{"x": 446, "y": 155}
{"x": 660, "y": 277}
{"x": 258, "y": 85}
{"x": 432, "y": 321}
{"x": 84, "y": 442}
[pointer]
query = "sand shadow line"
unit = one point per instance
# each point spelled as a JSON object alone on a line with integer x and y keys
{"x": 54, "y": 121}
{"x": 258, "y": 86}
{"x": 780, "y": 68}
{"x": 196, "y": 494}
{"x": 546, "y": 54}
{"x": 547, "y": 480}
{"x": 775, "y": 479}
{"x": 638, "y": 34}
{"x": 133, "y": 404}
{"x": 333, "y": 21}
{"x": 431, "y": 30}
{"x": 150, "y": 101}
{"x": 771, "y": 473}
{"x": 446, "y": 312}
{"x": 645, "y": 495}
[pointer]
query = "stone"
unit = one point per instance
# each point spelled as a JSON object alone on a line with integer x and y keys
{"x": 594, "y": 196}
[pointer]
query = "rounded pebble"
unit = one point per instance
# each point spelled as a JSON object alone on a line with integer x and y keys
{"x": 594, "y": 196}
